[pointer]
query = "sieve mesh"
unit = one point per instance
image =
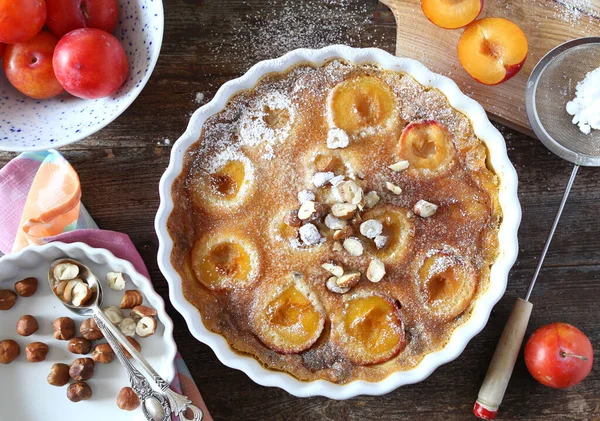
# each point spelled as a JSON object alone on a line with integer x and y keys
{"x": 549, "y": 90}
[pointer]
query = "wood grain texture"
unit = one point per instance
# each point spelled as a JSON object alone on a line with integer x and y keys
{"x": 206, "y": 43}
{"x": 547, "y": 23}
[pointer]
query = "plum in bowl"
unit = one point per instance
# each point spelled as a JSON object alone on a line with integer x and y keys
{"x": 28, "y": 124}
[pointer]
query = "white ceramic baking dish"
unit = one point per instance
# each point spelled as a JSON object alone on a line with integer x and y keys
{"x": 507, "y": 235}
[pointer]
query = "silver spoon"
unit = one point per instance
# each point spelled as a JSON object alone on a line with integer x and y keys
{"x": 156, "y": 405}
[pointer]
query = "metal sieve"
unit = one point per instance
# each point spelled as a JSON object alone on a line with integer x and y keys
{"x": 550, "y": 86}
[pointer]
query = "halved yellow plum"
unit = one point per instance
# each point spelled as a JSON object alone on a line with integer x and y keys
{"x": 397, "y": 229}
{"x": 370, "y": 330}
{"x": 227, "y": 186}
{"x": 447, "y": 284}
{"x": 228, "y": 181}
{"x": 362, "y": 104}
{"x": 223, "y": 263}
{"x": 290, "y": 320}
{"x": 427, "y": 146}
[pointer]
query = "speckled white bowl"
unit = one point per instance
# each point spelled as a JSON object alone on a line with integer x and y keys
{"x": 483, "y": 306}
{"x": 28, "y": 124}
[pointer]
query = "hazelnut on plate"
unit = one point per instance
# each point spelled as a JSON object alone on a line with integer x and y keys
{"x": 115, "y": 281}
{"x": 27, "y": 325}
{"x": 79, "y": 346}
{"x": 146, "y": 327}
{"x": 27, "y": 287}
{"x": 127, "y": 326}
{"x": 36, "y": 352}
{"x": 142, "y": 311}
{"x": 59, "y": 375}
{"x": 114, "y": 314}
{"x": 9, "y": 351}
{"x": 66, "y": 271}
{"x": 82, "y": 369}
{"x": 131, "y": 299}
{"x": 90, "y": 330}
{"x": 128, "y": 400}
{"x": 7, "y": 299}
{"x": 133, "y": 343}
{"x": 103, "y": 354}
{"x": 64, "y": 328}
{"x": 79, "y": 391}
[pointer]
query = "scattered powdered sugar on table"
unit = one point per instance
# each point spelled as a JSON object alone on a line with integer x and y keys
{"x": 281, "y": 26}
{"x": 571, "y": 11}
{"x": 199, "y": 98}
{"x": 585, "y": 107}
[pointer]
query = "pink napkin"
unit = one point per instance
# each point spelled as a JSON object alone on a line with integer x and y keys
{"x": 40, "y": 203}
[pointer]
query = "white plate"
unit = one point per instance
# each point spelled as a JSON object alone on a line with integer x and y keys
{"x": 26, "y": 394}
{"x": 507, "y": 235}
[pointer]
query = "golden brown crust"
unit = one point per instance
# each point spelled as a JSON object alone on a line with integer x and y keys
{"x": 281, "y": 157}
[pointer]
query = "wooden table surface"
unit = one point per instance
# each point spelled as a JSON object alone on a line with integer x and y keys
{"x": 208, "y": 42}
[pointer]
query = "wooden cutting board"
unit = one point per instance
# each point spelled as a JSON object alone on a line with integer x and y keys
{"x": 547, "y": 23}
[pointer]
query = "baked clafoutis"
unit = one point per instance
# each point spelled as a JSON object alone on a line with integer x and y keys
{"x": 336, "y": 222}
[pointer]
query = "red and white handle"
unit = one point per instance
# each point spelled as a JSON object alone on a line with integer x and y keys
{"x": 502, "y": 364}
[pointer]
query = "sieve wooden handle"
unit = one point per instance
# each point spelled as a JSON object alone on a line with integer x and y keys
{"x": 503, "y": 362}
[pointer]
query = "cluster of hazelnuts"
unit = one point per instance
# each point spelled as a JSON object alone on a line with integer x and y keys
{"x": 81, "y": 369}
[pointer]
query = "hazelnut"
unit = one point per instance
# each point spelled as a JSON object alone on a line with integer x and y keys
{"x": 103, "y": 354}
{"x": 128, "y": 400}
{"x": 59, "y": 289}
{"x": 146, "y": 327}
{"x": 90, "y": 330}
{"x": 306, "y": 210}
{"x": 353, "y": 246}
{"x": 127, "y": 326}
{"x": 425, "y": 209}
{"x": 334, "y": 223}
{"x": 9, "y": 350}
{"x": 291, "y": 219}
{"x": 350, "y": 192}
{"x": 27, "y": 325}
{"x": 393, "y": 188}
{"x": 82, "y": 369}
{"x": 66, "y": 271}
{"x": 7, "y": 299}
{"x": 399, "y": 166}
{"x": 115, "y": 281}
{"x": 343, "y": 233}
{"x": 321, "y": 210}
{"x": 36, "y": 352}
{"x": 333, "y": 286}
{"x": 376, "y": 271}
{"x": 343, "y": 210}
{"x": 67, "y": 295}
{"x": 79, "y": 346}
{"x": 380, "y": 241}
{"x": 348, "y": 279}
{"x": 371, "y": 199}
{"x": 134, "y": 343}
{"x": 27, "y": 287}
{"x": 64, "y": 328}
{"x": 131, "y": 299}
{"x": 114, "y": 314}
{"x": 59, "y": 375}
{"x": 335, "y": 270}
{"x": 371, "y": 228}
{"x": 81, "y": 294}
{"x": 79, "y": 391}
{"x": 142, "y": 311}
